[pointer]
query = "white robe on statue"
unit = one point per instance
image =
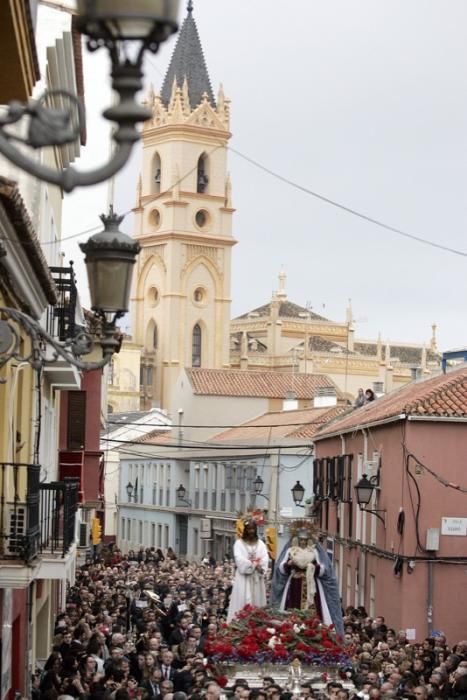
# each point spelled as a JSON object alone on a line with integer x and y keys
{"x": 249, "y": 587}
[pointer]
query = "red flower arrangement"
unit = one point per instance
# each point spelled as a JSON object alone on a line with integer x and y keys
{"x": 267, "y": 635}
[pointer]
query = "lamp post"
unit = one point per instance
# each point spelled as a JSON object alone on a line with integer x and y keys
{"x": 181, "y": 493}
{"x": 364, "y": 492}
{"x": 127, "y": 29}
{"x": 109, "y": 257}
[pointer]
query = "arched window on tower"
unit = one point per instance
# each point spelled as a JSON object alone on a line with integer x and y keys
{"x": 156, "y": 170}
{"x": 202, "y": 174}
{"x": 196, "y": 346}
{"x": 152, "y": 337}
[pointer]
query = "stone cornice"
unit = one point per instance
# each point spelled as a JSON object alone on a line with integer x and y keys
{"x": 154, "y": 238}
{"x": 157, "y": 134}
{"x": 175, "y": 203}
{"x": 148, "y": 198}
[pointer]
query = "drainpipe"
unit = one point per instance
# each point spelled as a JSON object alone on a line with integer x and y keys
{"x": 429, "y": 602}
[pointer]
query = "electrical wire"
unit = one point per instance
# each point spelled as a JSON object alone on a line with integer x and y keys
{"x": 301, "y": 188}
{"x": 180, "y": 458}
{"x": 440, "y": 479}
{"x": 415, "y": 507}
{"x": 349, "y": 210}
{"x": 223, "y": 427}
{"x": 205, "y": 446}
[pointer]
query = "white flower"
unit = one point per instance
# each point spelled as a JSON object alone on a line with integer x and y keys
{"x": 270, "y": 630}
{"x": 272, "y": 642}
{"x": 298, "y": 628}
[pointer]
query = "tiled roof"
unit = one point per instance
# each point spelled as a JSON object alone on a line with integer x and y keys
{"x": 365, "y": 348}
{"x": 188, "y": 62}
{"x": 141, "y": 419}
{"x": 443, "y": 395}
{"x": 301, "y": 424}
{"x": 319, "y": 344}
{"x": 287, "y": 309}
{"x": 18, "y": 214}
{"x": 273, "y": 385}
{"x": 407, "y": 354}
{"x": 156, "y": 437}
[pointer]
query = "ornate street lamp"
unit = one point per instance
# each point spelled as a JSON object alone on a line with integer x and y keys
{"x": 258, "y": 484}
{"x": 298, "y": 493}
{"x": 109, "y": 257}
{"x": 129, "y": 490}
{"x": 126, "y": 28}
{"x": 364, "y": 492}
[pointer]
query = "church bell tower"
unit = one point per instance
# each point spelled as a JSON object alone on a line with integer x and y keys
{"x": 183, "y": 221}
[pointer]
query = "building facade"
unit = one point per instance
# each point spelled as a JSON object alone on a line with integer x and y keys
{"x": 404, "y": 556}
{"x": 189, "y": 498}
{"x": 39, "y": 49}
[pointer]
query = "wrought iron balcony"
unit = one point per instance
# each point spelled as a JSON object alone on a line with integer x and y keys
{"x": 35, "y": 518}
{"x": 61, "y": 319}
{"x": 57, "y": 516}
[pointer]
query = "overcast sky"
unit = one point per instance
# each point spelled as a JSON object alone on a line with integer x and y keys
{"x": 364, "y": 102}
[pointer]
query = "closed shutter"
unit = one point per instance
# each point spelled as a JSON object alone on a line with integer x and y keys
{"x": 76, "y": 420}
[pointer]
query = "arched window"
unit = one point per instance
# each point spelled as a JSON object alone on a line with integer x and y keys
{"x": 152, "y": 337}
{"x": 196, "y": 347}
{"x": 156, "y": 169}
{"x": 202, "y": 178}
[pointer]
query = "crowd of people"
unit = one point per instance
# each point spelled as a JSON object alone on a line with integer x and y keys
{"x": 136, "y": 626}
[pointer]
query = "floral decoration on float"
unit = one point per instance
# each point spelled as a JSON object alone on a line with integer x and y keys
{"x": 269, "y": 636}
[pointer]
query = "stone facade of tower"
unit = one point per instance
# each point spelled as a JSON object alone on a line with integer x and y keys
{"x": 183, "y": 221}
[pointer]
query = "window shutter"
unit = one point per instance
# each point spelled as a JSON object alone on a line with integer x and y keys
{"x": 76, "y": 420}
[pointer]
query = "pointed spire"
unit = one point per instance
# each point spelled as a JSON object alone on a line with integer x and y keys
{"x": 151, "y": 96}
{"x": 173, "y": 95}
{"x": 281, "y": 293}
{"x": 176, "y": 107}
{"x": 433, "y": 343}
{"x": 220, "y": 98}
{"x": 349, "y": 313}
{"x": 188, "y": 61}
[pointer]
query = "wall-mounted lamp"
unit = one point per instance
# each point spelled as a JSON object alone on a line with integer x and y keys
{"x": 109, "y": 258}
{"x": 258, "y": 484}
{"x": 129, "y": 492}
{"x": 298, "y": 492}
{"x": 364, "y": 492}
{"x": 181, "y": 493}
{"x": 127, "y": 29}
